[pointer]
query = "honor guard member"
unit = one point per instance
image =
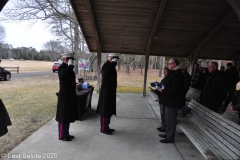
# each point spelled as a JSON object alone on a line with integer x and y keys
{"x": 107, "y": 97}
{"x": 67, "y": 99}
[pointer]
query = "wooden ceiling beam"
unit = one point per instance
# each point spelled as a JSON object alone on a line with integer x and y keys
{"x": 94, "y": 24}
{"x": 2, "y": 4}
{"x": 155, "y": 25}
{"x": 150, "y": 40}
{"x": 235, "y": 4}
{"x": 220, "y": 24}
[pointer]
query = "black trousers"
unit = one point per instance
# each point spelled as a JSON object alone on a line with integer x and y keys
{"x": 104, "y": 123}
{"x": 63, "y": 129}
{"x": 162, "y": 114}
{"x": 171, "y": 122}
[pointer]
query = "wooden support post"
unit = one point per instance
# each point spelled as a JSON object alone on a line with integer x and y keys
{"x": 145, "y": 74}
{"x": 150, "y": 40}
{"x": 235, "y": 4}
{"x": 99, "y": 58}
{"x": 195, "y": 53}
{"x": 17, "y": 69}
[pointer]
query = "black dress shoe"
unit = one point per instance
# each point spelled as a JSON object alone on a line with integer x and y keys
{"x": 161, "y": 130}
{"x": 108, "y": 132}
{"x": 166, "y": 141}
{"x": 162, "y": 135}
{"x": 70, "y": 136}
{"x": 65, "y": 139}
{"x": 112, "y": 130}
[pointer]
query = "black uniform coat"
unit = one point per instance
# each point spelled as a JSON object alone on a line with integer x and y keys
{"x": 172, "y": 94}
{"x": 4, "y": 119}
{"x": 214, "y": 91}
{"x": 107, "y": 97}
{"x": 67, "y": 99}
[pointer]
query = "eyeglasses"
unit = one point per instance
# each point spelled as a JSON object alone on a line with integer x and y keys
{"x": 170, "y": 63}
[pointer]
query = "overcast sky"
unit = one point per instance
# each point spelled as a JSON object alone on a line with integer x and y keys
{"x": 21, "y": 35}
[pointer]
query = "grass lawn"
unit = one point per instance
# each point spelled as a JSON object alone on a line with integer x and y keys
{"x": 30, "y": 102}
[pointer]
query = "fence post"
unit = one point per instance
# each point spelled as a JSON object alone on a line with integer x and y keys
{"x": 17, "y": 69}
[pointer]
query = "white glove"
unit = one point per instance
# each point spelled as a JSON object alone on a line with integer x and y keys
{"x": 114, "y": 60}
{"x": 70, "y": 62}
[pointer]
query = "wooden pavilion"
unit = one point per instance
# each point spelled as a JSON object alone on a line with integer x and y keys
{"x": 206, "y": 29}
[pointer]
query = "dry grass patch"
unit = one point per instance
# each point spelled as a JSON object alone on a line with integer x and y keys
{"x": 27, "y": 65}
{"x": 31, "y": 102}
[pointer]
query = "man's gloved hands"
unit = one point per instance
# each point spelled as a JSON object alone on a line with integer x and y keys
{"x": 70, "y": 62}
{"x": 114, "y": 60}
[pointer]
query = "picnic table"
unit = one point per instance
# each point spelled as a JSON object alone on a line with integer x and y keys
{"x": 84, "y": 98}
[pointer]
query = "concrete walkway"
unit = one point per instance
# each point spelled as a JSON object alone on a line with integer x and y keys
{"x": 136, "y": 137}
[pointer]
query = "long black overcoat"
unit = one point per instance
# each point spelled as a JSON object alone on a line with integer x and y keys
{"x": 172, "y": 94}
{"x": 4, "y": 119}
{"x": 107, "y": 97}
{"x": 67, "y": 99}
{"x": 214, "y": 91}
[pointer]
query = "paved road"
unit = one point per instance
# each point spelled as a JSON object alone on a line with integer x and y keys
{"x": 31, "y": 74}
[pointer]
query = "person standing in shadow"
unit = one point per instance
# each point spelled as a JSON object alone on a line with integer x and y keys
{"x": 67, "y": 98}
{"x": 107, "y": 98}
{"x": 162, "y": 107}
{"x": 172, "y": 99}
{"x": 4, "y": 119}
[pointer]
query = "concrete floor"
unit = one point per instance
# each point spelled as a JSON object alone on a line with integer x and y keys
{"x": 135, "y": 138}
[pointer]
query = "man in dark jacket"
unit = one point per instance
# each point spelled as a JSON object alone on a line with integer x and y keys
{"x": 107, "y": 97}
{"x": 215, "y": 88}
{"x": 232, "y": 78}
{"x": 4, "y": 119}
{"x": 67, "y": 99}
{"x": 172, "y": 99}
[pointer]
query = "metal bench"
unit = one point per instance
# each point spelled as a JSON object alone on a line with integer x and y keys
{"x": 213, "y": 135}
{"x": 193, "y": 94}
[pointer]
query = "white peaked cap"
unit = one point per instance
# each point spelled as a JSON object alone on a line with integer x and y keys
{"x": 65, "y": 55}
{"x": 113, "y": 54}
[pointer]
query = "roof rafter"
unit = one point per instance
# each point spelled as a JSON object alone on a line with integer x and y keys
{"x": 93, "y": 19}
{"x": 155, "y": 25}
{"x": 2, "y": 4}
{"x": 235, "y": 4}
{"x": 220, "y": 24}
{"x": 150, "y": 40}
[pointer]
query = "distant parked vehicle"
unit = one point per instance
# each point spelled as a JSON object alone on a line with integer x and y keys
{"x": 21, "y": 59}
{"x": 11, "y": 59}
{"x": 55, "y": 66}
{"x": 5, "y": 74}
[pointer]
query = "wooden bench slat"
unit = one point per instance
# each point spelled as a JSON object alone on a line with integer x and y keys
{"x": 221, "y": 126}
{"x": 216, "y": 132}
{"x": 192, "y": 94}
{"x": 194, "y": 138}
{"x": 215, "y": 136}
{"x": 208, "y": 112}
{"x": 231, "y": 116}
{"x": 198, "y": 125}
{"x": 215, "y": 124}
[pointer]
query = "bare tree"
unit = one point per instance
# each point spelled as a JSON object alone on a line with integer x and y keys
{"x": 54, "y": 49}
{"x": 58, "y": 14}
{"x": 2, "y": 33}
